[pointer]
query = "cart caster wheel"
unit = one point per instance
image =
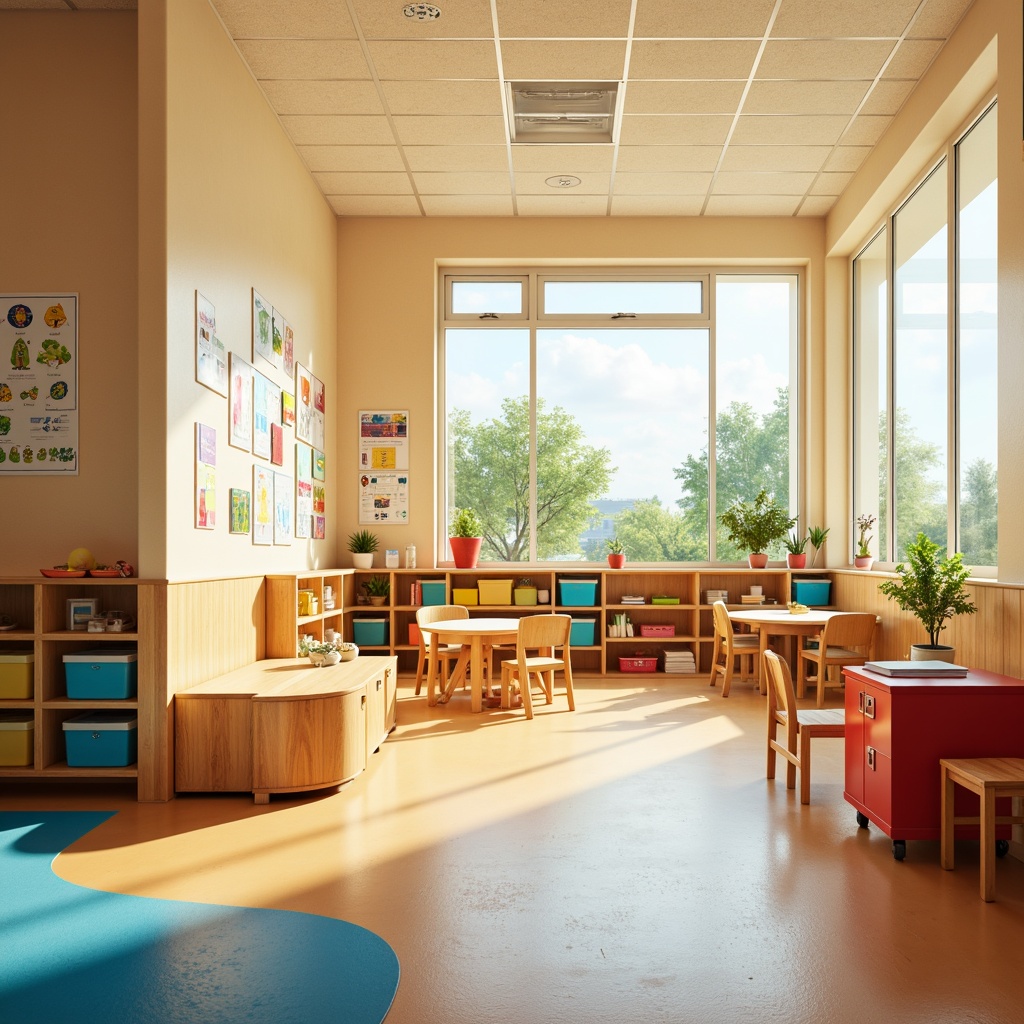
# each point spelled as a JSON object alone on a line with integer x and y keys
{"x": 1002, "y": 847}
{"x": 899, "y": 849}
{"x": 862, "y": 820}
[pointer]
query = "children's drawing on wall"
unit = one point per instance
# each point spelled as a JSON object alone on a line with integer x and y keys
{"x": 240, "y": 504}
{"x": 287, "y": 409}
{"x": 206, "y": 477}
{"x": 266, "y": 411}
{"x": 282, "y": 509}
{"x": 319, "y": 465}
{"x": 303, "y": 491}
{"x": 276, "y": 444}
{"x": 283, "y": 342}
{"x": 211, "y": 356}
{"x": 262, "y": 505}
{"x": 240, "y": 402}
{"x": 262, "y": 330}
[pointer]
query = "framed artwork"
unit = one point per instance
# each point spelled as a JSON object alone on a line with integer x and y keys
{"x": 283, "y": 342}
{"x": 211, "y": 356}
{"x": 262, "y": 505}
{"x": 319, "y": 465}
{"x": 319, "y": 527}
{"x": 303, "y": 491}
{"x": 288, "y": 359}
{"x": 310, "y": 407}
{"x": 262, "y": 329}
{"x": 282, "y": 509}
{"x": 287, "y": 409}
{"x": 261, "y": 414}
{"x": 206, "y": 477}
{"x": 240, "y": 404}
{"x": 240, "y": 502}
{"x": 276, "y": 444}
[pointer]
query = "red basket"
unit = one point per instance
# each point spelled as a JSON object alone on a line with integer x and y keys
{"x": 638, "y": 664}
{"x": 659, "y": 630}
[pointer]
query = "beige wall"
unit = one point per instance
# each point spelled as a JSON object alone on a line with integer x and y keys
{"x": 226, "y": 205}
{"x": 387, "y": 284}
{"x": 69, "y": 196}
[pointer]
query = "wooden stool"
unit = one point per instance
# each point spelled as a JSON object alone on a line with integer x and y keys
{"x": 989, "y": 777}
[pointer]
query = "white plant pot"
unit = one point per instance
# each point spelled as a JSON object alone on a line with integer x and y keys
{"x": 928, "y": 652}
{"x": 362, "y": 561}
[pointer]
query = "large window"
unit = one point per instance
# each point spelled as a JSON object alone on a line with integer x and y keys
{"x": 925, "y": 425}
{"x": 579, "y": 407}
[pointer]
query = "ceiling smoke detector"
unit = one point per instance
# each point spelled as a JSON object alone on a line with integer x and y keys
{"x": 563, "y": 181}
{"x": 422, "y": 12}
{"x": 561, "y": 112}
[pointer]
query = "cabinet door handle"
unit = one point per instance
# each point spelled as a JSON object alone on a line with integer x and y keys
{"x": 362, "y": 701}
{"x": 860, "y": 701}
{"x": 871, "y": 758}
{"x": 869, "y": 706}
{"x": 380, "y": 683}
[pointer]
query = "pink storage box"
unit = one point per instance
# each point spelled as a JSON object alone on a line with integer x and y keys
{"x": 658, "y": 630}
{"x": 638, "y": 664}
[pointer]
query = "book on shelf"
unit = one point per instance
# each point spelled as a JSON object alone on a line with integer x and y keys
{"x": 632, "y": 599}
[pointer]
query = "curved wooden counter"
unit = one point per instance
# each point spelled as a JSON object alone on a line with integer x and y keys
{"x": 282, "y": 726}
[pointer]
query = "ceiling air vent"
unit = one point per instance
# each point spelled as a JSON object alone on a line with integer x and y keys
{"x": 560, "y": 112}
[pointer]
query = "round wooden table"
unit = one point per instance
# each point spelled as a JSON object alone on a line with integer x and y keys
{"x": 474, "y": 634}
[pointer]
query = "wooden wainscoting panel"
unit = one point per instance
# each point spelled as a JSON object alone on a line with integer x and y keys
{"x": 156, "y": 719}
{"x": 213, "y": 748}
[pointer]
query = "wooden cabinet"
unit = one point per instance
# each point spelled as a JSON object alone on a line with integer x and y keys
{"x": 288, "y": 619}
{"x": 896, "y": 731}
{"x": 38, "y": 610}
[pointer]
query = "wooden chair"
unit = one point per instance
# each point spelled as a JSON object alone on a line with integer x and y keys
{"x": 801, "y": 726}
{"x": 545, "y": 634}
{"x": 446, "y": 653}
{"x": 845, "y": 640}
{"x": 728, "y": 647}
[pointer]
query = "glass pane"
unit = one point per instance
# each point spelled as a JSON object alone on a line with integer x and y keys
{"x": 871, "y": 390}
{"x": 921, "y": 365}
{"x": 622, "y": 297}
{"x": 976, "y": 280}
{"x": 487, "y": 297}
{"x": 487, "y": 384}
{"x": 619, "y": 413}
{"x": 756, "y": 322}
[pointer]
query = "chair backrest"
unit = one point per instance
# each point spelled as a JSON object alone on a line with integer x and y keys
{"x": 723, "y": 624}
{"x": 853, "y": 630}
{"x": 440, "y": 613}
{"x": 781, "y": 695}
{"x": 543, "y": 631}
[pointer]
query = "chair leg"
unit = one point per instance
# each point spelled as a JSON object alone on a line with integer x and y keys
{"x": 524, "y": 691}
{"x": 567, "y": 672}
{"x": 770, "y": 773}
{"x": 730, "y": 660}
{"x": 805, "y": 767}
{"x": 420, "y": 665}
{"x": 715, "y": 651}
{"x": 822, "y": 672}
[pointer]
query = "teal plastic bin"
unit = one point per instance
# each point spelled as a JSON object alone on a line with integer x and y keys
{"x": 577, "y": 593}
{"x": 582, "y": 632}
{"x": 370, "y": 632}
{"x": 811, "y": 592}
{"x": 433, "y": 591}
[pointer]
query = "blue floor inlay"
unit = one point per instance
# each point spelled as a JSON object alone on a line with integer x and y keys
{"x": 70, "y": 955}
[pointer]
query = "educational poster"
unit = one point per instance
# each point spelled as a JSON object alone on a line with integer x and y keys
{"x": 262, "y": 330}
{"x": 303, "y": 491}
{"x": 282, "y": 509}
{"x": 261, "y": 414}
{"x": 384, "y": 498}
{"x": 39, "y": 384}
{"x": 240, "y": 502}
{"x": 240, "y": 402}
{"x": 211, "y": 356}
{"x": 310, "y": 408}
{"x": 383, "y": 439}
{"x": 262, "y": 505}
{"x": 206, "y": 477}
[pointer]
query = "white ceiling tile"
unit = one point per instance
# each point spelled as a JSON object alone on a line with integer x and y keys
{"x": 460, "y": 19}
{"x": 762, "y": 183}
{"x": 426, "y": 60}
{"x": 866, "y": 130}
{"x": 813, "y": 18}
{"x": 681, "y": 129}
{"x": 300, "y": 58}
{"x": 562, "y": 159}
{"x": 668, "y": 158}
{"x": 375, "y": 206}
{"x": 562, "y": 205}
{"x": 535, "y": 183}
{"x": 324, "y": 130}
{"x": 765, "y": 130}
{"x": 425, "y": 130}
{"x": 351, "y": 158}
{"x": 816, "y": 206}
{"x": 649, "y": 97}
{"x": 831, "y": 183}
{"x": 775, "y": 158}
{"x": 823, "y": 59}
{"x": 457, "y": 158}
{"x": 281, "y": 19}
{"x": 467, "y": 206}
{"x": 912, "y": 58}
{"x": 480, "y": 183}
{"x": 584, "y": 59}
{"x": 752, "y": 206}
{"x": 771, "y": 97}
{"x": 706, "y": 59}
{"x": 847, "y": 158}
{"x": 667, "y": 183}
{"x": 939, "y": 18}
{"x": 699, "y": 19}
{"x": 363, "y": 183}
{"x": 656, "y": 206}
{"x": 888, "y": 96}
{"x": 291, "y": 97}
{"x": 439, "y": 97}
{"x": 542, "y": 19}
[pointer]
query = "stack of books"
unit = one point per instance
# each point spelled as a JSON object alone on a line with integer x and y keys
{"x": 680, "y": 661}
{"x": 632, "y": 599}
{"x": 752, "y": 598}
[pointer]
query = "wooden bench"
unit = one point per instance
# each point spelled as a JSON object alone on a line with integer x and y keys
{"x": 989, "y": 778}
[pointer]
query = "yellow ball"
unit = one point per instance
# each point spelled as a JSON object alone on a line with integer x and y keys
{"x": 81, "y": 558}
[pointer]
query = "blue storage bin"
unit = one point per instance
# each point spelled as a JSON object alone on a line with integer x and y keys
{"x": 577, "y": 593}
{"x": 370, "y": 632}
{"x": 101, "y": 674}
{"x": 102, "y": 739}
{"x": 433, "y": 592}
{"x": 582, "y": 632}
{"x": 811, "y": 592}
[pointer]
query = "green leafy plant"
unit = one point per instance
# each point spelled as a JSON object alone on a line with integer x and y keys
{"x": 816, "y": 535}
{"x": 864, "y": 523}
{"x": 377, "y": 586}
{"x": 931, "y": 587}
{"x": 363, "y": 542}
{"x": 615, "y": 547}
{"x": 795, "y": 544}
{"x": 316, "y": 647}
{"x": 755, "y": 525}
{"x": 465, "y": 522}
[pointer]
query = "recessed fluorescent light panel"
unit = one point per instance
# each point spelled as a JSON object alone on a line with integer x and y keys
{"x": 561, "y": 112}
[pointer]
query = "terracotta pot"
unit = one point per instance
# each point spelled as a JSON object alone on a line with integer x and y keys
{"x": 757, "y": 560}
{"x": 377, "y": 599}
{"x": 616, "y": 561}
{"x": 863, "y": 561}
{"x": 465, "y": 551}
{"x": 796, "y": 561}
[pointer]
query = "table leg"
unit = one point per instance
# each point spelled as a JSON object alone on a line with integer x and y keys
{"x": 457, "y": 675}
{"x": 946, "y": 830}
{"x": 758, "y": 673}
{"x": 432, "y": 670}
{"x": 476, "y": 669}
{"x": 987, "y": 829}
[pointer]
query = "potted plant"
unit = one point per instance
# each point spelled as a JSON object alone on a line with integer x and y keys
{"x": 816, "y": 535}
{"x": 934, "y": 589}
{"x": 616, "y": 554}
{"x": 377, "y": 589}
{"x": 755, "y": 526}
{"x": 525, "y": 592}
{"x": 320, "y": 652}
{"x": 862, "y": 559}
{"x": 362, "y": 544}
{"x": 796, "y": 555}
{"x": 465, "y": 535}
